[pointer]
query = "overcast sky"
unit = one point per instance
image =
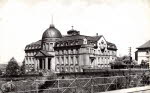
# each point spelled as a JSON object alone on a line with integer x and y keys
{"x": 123, "y": 22}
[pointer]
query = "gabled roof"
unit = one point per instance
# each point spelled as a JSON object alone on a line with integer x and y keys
{"x": 34, "y": 45}
{"x": 145, "y": 45}
{"x": 111, "y": 45}
{"x": 43, "y": 53}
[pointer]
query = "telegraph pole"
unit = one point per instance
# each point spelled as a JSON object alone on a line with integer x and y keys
{"x": 130, "y": 65}
{"x": 130, "y": 54}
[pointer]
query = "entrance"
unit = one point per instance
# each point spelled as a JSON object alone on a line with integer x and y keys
{"x": 49, "y": 63}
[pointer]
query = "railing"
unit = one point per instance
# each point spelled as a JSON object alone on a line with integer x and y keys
{"x": 81, "y": 85}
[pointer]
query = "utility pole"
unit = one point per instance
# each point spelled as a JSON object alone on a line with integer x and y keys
{"x": 130, "y": 59}
{"x": 130, "y": 54}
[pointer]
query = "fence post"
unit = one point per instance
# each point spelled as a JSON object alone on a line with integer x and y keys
{"x": 36, "y": 85}
{"x": 75, "y": 85}
{"x": 58, "y": 87}
{"x": 116, "y": 83}
{"x": 92, "y": 85}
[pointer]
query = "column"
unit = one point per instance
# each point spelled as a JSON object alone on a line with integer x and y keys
{"x": 42, "y": 63}
{"x": 46, "y": 63}
{"x": 37, "y": 64}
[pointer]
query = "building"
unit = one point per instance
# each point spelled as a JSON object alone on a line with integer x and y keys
{"x": 70, "y": 53}
{"x": 143, "y": 53}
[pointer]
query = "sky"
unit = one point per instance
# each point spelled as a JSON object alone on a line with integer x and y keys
{"x": 123, "y": 22}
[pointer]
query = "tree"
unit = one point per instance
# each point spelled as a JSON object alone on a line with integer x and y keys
{"x": 22, "y": 68}
{"x": 121, "y": 62}
{"x": 1, "y": 72}
{"x": 12, "y": 68}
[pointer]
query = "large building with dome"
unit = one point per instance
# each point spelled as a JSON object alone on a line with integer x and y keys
{"x": 68, "y": 53}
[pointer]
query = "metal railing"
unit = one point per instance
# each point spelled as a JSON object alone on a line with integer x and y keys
{"x": 81, "y": 85}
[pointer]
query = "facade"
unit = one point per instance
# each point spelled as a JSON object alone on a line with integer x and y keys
{"x": 143, "y": 53}
{"x": 70, "y": 53}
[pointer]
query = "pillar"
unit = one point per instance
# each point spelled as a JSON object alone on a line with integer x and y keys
{"x": 46, "y": 63}
{"x": 42, "y": 63}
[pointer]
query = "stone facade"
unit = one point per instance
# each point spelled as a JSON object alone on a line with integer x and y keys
{"x": 69, "y": 53}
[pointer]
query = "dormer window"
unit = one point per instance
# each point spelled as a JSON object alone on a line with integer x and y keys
{"x": 84, "y": 41}
{"x": 102, "y": 46}
{"x": 147, "y": 52}
{"x": 102, "y": 42}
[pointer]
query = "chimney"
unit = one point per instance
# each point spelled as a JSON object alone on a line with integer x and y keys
{"x": 96, "y": 34}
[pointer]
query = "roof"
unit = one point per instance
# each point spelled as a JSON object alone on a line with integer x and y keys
{"x": 43, "y": 53}
{"x": 76, "y": 40}
{"x": 145, "y": 45}
{"x": 34, "y": 45}
{"x": 51, "y": 32}
{"x": 111, "y": 45}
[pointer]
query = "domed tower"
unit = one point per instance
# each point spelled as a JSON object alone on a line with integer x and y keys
{"x": 49, "y": 37}
{"x": 46, "y": 55}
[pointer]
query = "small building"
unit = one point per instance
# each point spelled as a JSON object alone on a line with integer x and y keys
{"x": 68, "y": 53}
{"x": 143, "y": 53}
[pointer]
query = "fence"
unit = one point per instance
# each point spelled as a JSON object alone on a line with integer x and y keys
{"x": 81, "y": 85}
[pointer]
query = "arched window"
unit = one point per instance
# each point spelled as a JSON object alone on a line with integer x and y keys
{"x": 51, "y": 46}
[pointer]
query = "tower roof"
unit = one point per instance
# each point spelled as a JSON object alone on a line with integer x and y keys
{"x": 51, "y": 32}
{"x": 73, "y": 32}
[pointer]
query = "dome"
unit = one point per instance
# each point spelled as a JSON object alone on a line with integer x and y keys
{"x": 51, "y": 32}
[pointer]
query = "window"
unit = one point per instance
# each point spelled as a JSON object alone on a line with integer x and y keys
{"x": 60, "y": 52}
{"x": 66, "y": 60}
{"x": 56, "y": 52}
{"x": 71, "y": 60}
{"x": 77, "y": 60}
{"x": 57, "y": 60}
{"x": 71, "y": 51}
{"x": 67, "y": 51}
{"x": 94, "y": 52}
{"x": 41, "y": 65}
{"x": 66, "y": 43}
{"x": 66, "y": 69}
{"x": 51, "y": 46}
{"x": 64, "y": 52}
{"x": 99, "y": 52}
{"x": 62, "y": 59}
{"x": 71, "y": 69}
{"x": 77, "y": 51}
{"x": 57, "y": 69}
{"x": 147, "y": 52}
{"x": 76, "y": 70}
{"x": 84, "y": 41}
{"x": 49, "y": 63}
{"x": 99, "y": 59}
{"x": 76, "y": 42}
{"x": 62, "y": 69}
